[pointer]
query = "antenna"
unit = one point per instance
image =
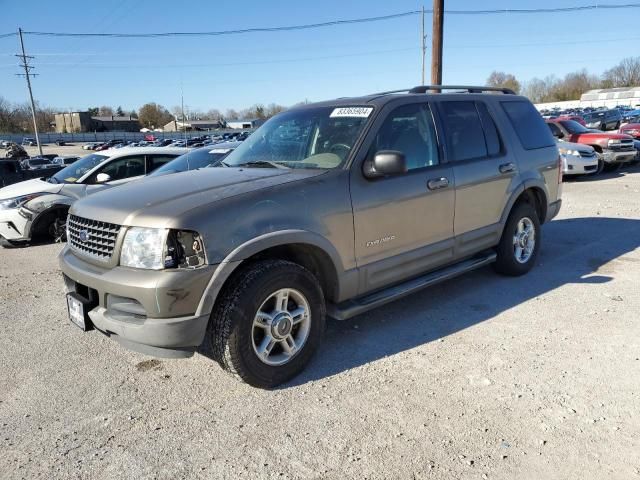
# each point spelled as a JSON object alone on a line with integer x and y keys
{"x": 27, "y": 74}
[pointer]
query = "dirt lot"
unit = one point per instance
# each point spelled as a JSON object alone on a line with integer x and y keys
{"x": 482, "y": 377}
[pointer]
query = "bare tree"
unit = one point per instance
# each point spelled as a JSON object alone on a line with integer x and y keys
{"x": 153, "y": 115}
{"x": 625, "y": 74}
{"x": 506, "y": 80}
{"x": 105, "y": 111}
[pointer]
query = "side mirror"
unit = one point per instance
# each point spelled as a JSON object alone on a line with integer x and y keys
{"x": 386, "y": 162}
{"x": 558, "y": 134}
{"x": 103, "y": 178}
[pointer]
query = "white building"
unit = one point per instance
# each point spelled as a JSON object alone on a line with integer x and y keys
{"x": 605, "y": 97}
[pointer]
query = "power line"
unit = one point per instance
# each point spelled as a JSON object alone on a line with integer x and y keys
{"x": 518, "y": 11}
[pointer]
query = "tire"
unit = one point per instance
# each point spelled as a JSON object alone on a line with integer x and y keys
{"x": 617, "y": 126}
{"x": 611, "y": 167}
{"x": 235, "y": 338}
{"x": 523, "y": 214}
{"x": 600, "y": 165}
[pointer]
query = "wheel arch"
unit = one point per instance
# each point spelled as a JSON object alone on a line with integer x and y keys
{"x": 304, "y": 248}
{"x": 530, "y": 192}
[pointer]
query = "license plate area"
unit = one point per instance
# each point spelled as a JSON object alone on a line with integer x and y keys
{"x": 78, "y": 308}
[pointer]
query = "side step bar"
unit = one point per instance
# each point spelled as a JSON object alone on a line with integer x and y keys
{"x": 351, "y": 308}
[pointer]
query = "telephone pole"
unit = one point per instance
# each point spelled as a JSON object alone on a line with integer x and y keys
{"x": 27, "y": 74}
{"x": 423, "y": 41}
{"x": 436, "y": 51}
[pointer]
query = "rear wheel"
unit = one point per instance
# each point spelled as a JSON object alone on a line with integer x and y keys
{"x": 267, "y": 323}
{"x": 520, "y": 242}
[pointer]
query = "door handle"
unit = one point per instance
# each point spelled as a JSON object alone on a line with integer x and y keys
{"x": 436, "y": 183}
{"x": 507, "y": 167}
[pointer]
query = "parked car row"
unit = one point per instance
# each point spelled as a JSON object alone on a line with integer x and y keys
{"x": 38, "y": 207}
{"x": 601, "y": 119}
{"x": 579, "y": 144}
{"x": 192, "y": 142}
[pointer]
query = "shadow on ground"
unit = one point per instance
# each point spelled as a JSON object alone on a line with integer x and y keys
{"x": 573, "y": 251}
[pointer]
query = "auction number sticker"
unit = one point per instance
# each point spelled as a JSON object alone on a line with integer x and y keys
{"x": 363, "y": 112}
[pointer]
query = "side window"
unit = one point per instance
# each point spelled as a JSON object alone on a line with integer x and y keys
{"x": 491, "y": 135}
{"x": 528, "y": 124}
{"x": 555, "y": 130}
{"x": 463, "y": 131}
{"x": 156, "y": 161}
{"x": 125, "y": 167}
{"x": 410, "y": 130}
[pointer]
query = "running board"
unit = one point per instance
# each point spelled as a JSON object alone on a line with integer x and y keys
{"x": 351, "y": 308}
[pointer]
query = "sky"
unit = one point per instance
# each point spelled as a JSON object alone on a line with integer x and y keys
{"x": 237, "y": 71}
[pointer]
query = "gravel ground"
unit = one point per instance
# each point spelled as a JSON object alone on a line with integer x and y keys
{"x": 481, "y": 377}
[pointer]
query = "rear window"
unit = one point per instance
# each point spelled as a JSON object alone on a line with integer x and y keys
{"x": 528, "y": 124}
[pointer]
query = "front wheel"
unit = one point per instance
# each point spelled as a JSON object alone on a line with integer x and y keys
{"x": 520, "y": 242}
{"x": 268, "y": 323}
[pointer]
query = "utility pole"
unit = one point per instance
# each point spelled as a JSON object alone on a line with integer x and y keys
{"x": 423, "y": 41}
{"x": 27, "y": 74}
{"x": 436, "y": 51}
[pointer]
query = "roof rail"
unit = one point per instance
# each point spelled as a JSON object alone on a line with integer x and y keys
{"x": 440, "y": 88}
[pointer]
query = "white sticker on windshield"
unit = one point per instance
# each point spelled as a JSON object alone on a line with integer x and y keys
{"x": 220, "y": 150}
{"x": 363, "y": 112}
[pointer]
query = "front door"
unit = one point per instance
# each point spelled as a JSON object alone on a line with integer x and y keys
{"x": 404, "y": 223}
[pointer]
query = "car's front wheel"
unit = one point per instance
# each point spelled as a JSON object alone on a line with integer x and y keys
{"x": 268, "y": 322}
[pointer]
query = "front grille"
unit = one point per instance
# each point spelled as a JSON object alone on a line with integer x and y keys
{"x": 624, "y": 146}
{"x": 587, "y": 154}
{"x": 589, "y": 168}
{"x": 99, "y": 237}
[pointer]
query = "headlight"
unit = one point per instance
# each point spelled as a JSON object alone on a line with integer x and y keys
{"x": 565, "y": 151}
{"x": 155, "y": 249}
{"x": 17, "y": 202}
{"x": 144, "y": 248}
{"x": 615, "y": 141}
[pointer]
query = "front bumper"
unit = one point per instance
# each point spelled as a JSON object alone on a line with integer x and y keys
{"x": 13, "y": 225}
{"x": 610, "y": 156}
{"x": 578, "y": 165}
{"x": 153, "y": 312}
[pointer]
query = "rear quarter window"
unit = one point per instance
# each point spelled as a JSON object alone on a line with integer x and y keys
{"x": 528, "y": 124}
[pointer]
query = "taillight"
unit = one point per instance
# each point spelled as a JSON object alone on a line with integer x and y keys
{"x": 559, "y": 169}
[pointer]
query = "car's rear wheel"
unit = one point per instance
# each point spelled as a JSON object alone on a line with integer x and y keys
{"x": 267, "y": 323}
{"x": 520, "y": 242}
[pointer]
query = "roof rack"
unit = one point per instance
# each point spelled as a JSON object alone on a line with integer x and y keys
{"x": 440, "y": 88}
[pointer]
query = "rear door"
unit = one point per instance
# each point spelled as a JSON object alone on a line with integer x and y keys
{"x": 403, "y": 223}
{"x": 483, "y": 172}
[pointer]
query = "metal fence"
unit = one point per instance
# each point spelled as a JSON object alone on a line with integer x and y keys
{"x": 46, "y": 138}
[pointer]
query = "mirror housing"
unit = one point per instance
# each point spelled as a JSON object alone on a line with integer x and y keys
{"x": 103, "y": 178}
{"x": 558, "y": 134}
{"x": 386, "y": 162}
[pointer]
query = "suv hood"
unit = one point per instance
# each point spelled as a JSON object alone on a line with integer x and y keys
{"x": 161, "y": 201}
{"x": 35, "y": 185}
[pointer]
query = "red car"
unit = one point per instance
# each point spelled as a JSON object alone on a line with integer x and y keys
{"x": 575, "y": 118}
{"x": 613, "y": 149}
{"x": 632, "y": 129}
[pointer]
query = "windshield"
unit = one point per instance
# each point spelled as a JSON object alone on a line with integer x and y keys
{"x": 574, "y": 127}
{"x": 320, "y": 137}
{"x": 200, "y": 158}
{"x": 77, "y": 169}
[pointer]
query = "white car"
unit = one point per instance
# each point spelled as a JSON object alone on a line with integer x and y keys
{"x": 38, "y": 207}
{"x": 577, "y": 159}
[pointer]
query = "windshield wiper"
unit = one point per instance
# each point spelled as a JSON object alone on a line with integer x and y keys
{"x": 263, "y": 164}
